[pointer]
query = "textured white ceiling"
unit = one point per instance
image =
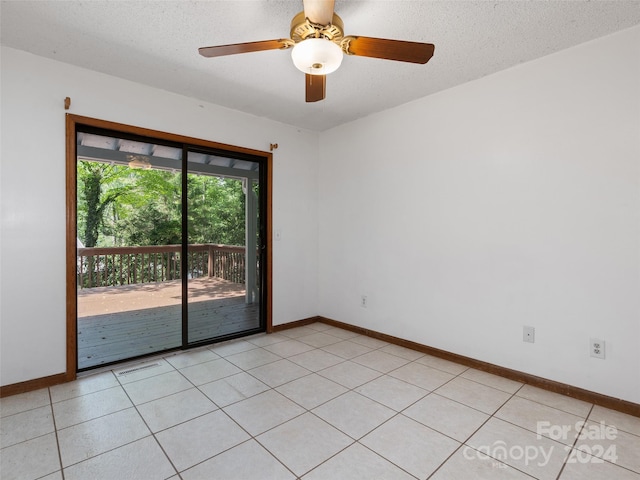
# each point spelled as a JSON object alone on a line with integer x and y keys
{"x": 155, "y": 42}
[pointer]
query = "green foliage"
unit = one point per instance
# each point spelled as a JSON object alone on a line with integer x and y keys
{"x": 99, "y": 187}
{"x": 118, "y": 206}
{"x": 216, "y": 210}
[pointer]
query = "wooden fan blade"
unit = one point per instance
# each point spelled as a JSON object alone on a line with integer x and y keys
{"x": 315, "y": 87}
{"x": 398, "y": 50}
{"x": 319, "y": 11}
{"x": 221, "y": 50}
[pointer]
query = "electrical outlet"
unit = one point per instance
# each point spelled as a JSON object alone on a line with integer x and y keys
{"x": 528, "y": 334}
{"x": 596, "y": 348}
{"x": 363, "y": 301}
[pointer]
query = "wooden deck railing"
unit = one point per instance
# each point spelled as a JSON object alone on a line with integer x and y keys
{"x": 111, "y": 266}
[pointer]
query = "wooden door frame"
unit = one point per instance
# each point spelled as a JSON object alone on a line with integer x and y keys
{"x": 72, "y": 122}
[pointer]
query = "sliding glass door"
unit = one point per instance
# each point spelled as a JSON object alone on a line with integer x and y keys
{"x": 169, "y": 246}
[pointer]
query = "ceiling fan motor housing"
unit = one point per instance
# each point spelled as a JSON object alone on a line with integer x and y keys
{"x": 302, "y": 28}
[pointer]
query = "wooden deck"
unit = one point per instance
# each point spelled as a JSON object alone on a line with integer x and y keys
{"x": 116, "y": 323}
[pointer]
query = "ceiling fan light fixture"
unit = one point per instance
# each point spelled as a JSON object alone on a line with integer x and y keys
{"x": 317, "y": 56}
{"x": 138, "y": 162}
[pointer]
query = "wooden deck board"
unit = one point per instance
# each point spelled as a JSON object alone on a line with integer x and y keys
{"x": 123, "y": 322}
{"x": 103, "y": 300}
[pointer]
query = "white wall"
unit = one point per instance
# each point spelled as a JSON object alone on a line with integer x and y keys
{"x": 32, "y": 310}
{"x": 509, "y": 201}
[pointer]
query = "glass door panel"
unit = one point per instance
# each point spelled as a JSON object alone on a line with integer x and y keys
{"x": 129, "y": 223}
{"x": 223, "y": 295}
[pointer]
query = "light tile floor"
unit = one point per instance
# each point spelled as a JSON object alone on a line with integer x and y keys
{"x": 314, "y": 402}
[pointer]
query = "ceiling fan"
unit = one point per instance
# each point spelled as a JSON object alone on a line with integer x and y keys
{"x": 318, "y": 42}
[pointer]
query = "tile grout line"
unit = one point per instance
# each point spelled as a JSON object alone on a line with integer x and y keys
{"x": 433, "y": 392}
{"x": 397, "y": 413}
{"x": 274, "y": 388}
{"x": 382, "y": 374}
{"x": 222, "y": 409}
{"x": 353, "y": 390}
{"x": 572, "y": 447}
{"x": 306, "y": 410}
{"x": 314, "y": 348}
{"x": 134, "y": 406}
{"x": 251, "y": 436}
{"x": 464, "y": 443}
{"x": 152, "y": 433}
{"x": 351, "y": 359}
{"x": 55, "y": 430}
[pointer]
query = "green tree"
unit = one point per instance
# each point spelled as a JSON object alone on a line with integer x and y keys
{"x": 98, "y": 189}
{"x": 122, "y": 206}
{"x": 151, "y": 213}
{"x": 215, "y": 210}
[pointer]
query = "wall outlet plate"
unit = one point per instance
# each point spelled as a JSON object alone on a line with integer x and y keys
{"x": 528, "y": 334}
{"x": 364, "y": 301}
{"x": 596, "y": 348}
